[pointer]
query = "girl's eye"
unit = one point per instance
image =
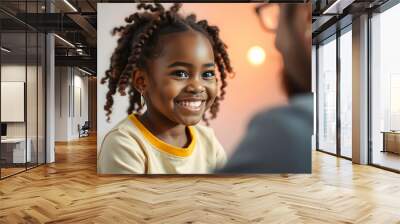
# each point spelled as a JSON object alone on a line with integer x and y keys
{"x": 180, "y": 74}
{"x": 208, "y": 75}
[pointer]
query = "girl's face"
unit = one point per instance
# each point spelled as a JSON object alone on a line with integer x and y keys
{"x": 180, "y": 83}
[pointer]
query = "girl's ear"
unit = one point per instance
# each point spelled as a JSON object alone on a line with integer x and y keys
{"x": 139, "y": 80}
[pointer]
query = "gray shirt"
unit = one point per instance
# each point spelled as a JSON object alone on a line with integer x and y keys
{"x": 277, "y": 140}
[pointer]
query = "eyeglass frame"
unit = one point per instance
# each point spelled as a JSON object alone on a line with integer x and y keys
{"x": 259, "y": 16}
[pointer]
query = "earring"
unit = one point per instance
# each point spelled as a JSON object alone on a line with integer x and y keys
{"x": 142, "y": 101}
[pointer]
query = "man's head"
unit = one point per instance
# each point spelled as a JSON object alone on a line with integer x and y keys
{"x": 293, "y": 40}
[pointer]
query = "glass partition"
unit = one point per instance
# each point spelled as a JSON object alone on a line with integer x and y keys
{"x": 13, "y": 95}
{"x": 41, "y": 96}
{"x": 346, "y": 92}
{"x": 327, "y": 95}
{"x": 22, "y": 90}
{"x": 385, "y": 89}
{"x": 31, "y": 97}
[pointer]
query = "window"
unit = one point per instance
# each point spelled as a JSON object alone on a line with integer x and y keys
{"x": 385, "y": 89}
{"x": 346, "y": 75}
{"x": 327, "y": 95}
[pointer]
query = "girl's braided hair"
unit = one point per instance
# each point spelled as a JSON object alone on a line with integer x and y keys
{"x": 138, "y": 43}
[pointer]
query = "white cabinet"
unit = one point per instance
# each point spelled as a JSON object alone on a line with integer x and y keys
{"x": 17, "y": 145}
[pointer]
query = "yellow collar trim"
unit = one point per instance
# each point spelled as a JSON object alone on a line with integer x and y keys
{"x": 163, "y": 146}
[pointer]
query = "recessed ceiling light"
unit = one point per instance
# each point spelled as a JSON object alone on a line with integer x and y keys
{"x": 84, "y": 71}
{"x": 70, "y": 5}
{"x": 5, "y": 50}
{"x": 64, "y": 40}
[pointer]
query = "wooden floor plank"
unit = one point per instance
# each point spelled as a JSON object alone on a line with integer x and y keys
{"x": 70, "y": 191}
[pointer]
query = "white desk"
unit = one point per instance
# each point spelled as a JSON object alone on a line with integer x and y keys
{"x": 18, "y": 149}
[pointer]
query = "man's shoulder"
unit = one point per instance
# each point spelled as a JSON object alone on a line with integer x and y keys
{"x": 299, "y": 113}
{"x": 285, "y": 121}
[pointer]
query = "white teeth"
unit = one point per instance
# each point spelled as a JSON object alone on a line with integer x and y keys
{"x": 195, "y": 104}
{"x": 191, "y": 104}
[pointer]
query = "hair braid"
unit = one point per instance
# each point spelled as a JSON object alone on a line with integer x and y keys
{"x": 120, "y": 72}
{"x": 222, "y": 61}
{"x": 135, "y": 56}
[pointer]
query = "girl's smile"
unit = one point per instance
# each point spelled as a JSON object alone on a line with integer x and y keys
{"x": 191, "y": 104}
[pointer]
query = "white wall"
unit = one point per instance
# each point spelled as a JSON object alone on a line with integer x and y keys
{"x": 69, "y": 82}
{"x": 61, "y": 103}
{"x": 80, "y": 103}
{"x": 12, "y": 73}
{"x": 33, "y": 127}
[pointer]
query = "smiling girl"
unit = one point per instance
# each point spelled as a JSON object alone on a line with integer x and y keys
{"x": 170, "y": 62}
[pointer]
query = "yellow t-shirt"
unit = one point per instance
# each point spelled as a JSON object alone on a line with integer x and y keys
{"x": 129, "y": 148}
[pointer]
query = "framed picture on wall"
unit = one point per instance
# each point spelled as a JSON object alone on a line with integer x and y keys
{"x": 12, "y": 101}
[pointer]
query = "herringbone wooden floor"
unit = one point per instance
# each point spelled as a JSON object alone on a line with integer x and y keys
{"x": 70, "y": 191}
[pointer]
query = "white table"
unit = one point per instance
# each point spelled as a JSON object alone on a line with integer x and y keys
{"x": 18, "y": 149}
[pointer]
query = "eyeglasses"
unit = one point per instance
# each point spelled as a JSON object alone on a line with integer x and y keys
{"x": 268, "y": 14}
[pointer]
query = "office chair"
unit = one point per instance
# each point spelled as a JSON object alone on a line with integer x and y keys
{"x": 84, "y": 130}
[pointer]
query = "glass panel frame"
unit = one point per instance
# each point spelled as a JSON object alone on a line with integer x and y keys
{"x": 326, "y": 88}
{"x": 338, "y": 56}
{"x": 384, "y": 70}
{"x": 28, "y": 58}
{"x": 345, "y": 93}
{"x": 14, "y": 73}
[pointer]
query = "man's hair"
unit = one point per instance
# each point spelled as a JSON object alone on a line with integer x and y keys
{"x": 295, "y": 83}
{"x": 139, "y": 43}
